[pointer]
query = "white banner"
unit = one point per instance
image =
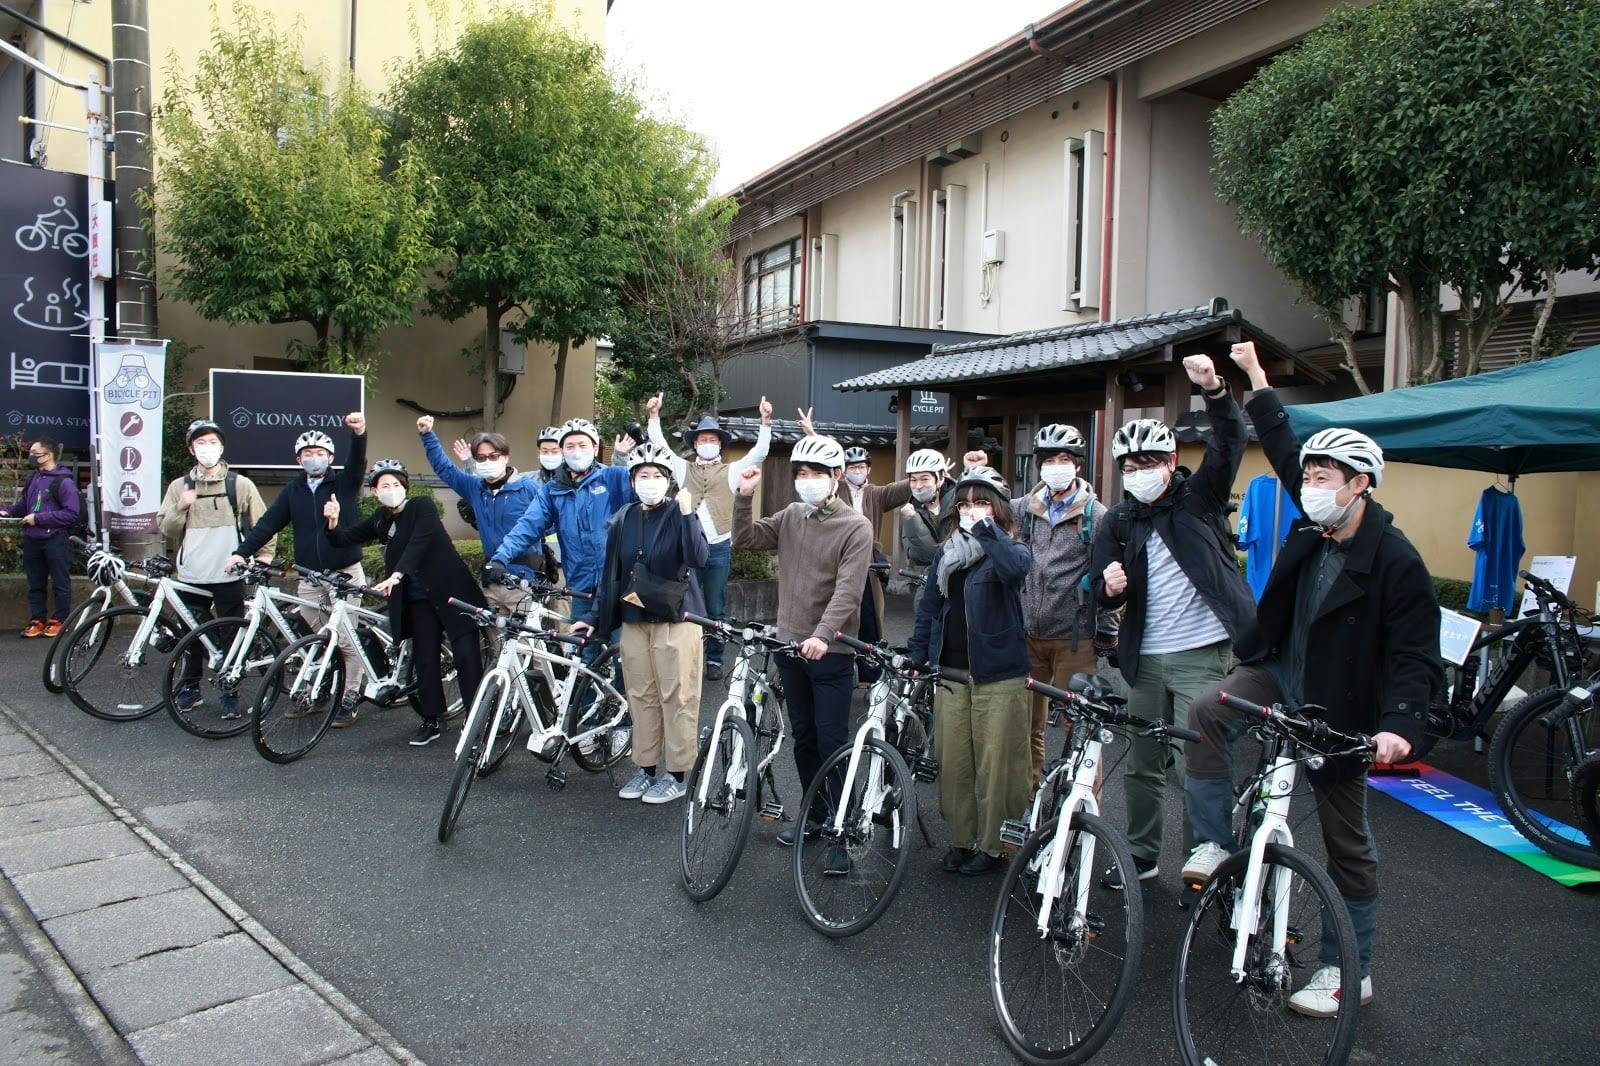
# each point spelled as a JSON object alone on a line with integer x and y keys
{"x": 132, "y": 385}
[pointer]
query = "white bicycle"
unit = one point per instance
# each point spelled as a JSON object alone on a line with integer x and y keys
{"x": 1269, "y": 917}
{"x": 1063, "y": 947}
{"x": 109, "y": 574}
{"x": 732, "y": 779}
{"x": 113, "y": 664}
{"x": 569, "y": 705}
{"x": 216, "y": 672}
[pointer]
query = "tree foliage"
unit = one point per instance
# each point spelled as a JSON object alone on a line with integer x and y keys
{"x": 1416, "y": 146}
{"x": 276, "y": 202}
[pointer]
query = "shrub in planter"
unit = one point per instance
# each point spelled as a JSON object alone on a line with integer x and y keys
{"x": 750, "y": 565}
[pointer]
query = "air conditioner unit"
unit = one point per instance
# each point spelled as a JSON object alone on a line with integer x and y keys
{"x": 965, "y": 148}
{"x": 994, "y": 246}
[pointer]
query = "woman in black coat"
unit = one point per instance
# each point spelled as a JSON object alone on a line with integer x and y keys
{"x": 424, "y": 573}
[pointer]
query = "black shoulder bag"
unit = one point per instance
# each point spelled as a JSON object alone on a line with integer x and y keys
{"x": 660, "y": 597}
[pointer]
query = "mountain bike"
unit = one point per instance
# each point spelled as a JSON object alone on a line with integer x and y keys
{"x": 109, "y": 573}
{"x": 1538, "y": 771}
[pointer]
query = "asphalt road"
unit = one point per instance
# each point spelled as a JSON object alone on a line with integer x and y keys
{"x": 553, "y": 927}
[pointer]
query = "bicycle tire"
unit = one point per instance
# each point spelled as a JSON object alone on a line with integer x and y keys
{"x": 104, "y": 630}
{"x": 52, "y": 655}
{"x": 732, "y": 806}
{"x": 504, "y": 743}
{"x": 267, "y": 646}
{"x": 1586, "y": 793}
{"x": 1215, "y": 907}
{"x": 1068, "y": 945}
{"x": 906, "y": 796}
{"x": 480, "y": 720}
{"x": 275, "y": 704}
{"x": 602, "y": 757}
{"x": 1541, "y": 826}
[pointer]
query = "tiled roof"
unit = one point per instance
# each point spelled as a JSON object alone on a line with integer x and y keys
{"x": 1054, "y": 349}
{"x": 850, "y": 434}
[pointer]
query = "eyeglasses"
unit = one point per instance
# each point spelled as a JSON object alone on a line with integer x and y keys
{"x": 968, "y": 505}
{"x": 484, "y": 457}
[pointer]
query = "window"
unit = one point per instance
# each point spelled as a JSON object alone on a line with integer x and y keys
{"x": 1083, "y": 203}
{"x": 772, "y": 287}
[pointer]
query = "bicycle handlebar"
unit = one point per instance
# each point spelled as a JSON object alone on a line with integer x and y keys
{"x": 1544, "y": 590}
{"x": 1115, "y": 715}
{"x": 540, "y": 588}
{"x": 1313, "y": 728}
{"x": 488, "y": 617}
{"x": 339, "y": 580}
{"x": 759, "y": 634}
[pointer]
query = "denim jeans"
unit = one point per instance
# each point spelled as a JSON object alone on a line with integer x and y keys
{"x": 714, "y": 584}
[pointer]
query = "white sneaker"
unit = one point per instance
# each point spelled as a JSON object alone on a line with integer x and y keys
{"x": 619, "y": 740}
{"x": 1320, "y": 996}
{"x": 637, "y": 786}
{"x": 587, "y": 746}
{"x": 666, "y": 789}
{"x": 1203, "y": 862}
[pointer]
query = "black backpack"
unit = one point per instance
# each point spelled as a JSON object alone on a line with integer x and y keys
{"x": 80, "y": 527}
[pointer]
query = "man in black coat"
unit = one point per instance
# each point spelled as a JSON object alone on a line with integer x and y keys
{"x": 1349, "y": 622}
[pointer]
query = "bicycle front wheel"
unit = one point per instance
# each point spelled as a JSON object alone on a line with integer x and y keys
{"x": 1535, "y": 749}
{"x": 1223, "y": 1017}
{"x": 213, "y": 680}
{"x": 108, "y": 673}
{"x": 1060, "y": 993}
{"x": 477, "y": 740}
{"x": 1586, "y": 789}
{"x": 847, "y": 875}
{"x": 53, "y": 679}
{"x": 716, "y": 828}
{"x": 299, "y": 696}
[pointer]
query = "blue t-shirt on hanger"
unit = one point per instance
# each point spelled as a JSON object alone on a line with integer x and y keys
{"x": 1264, "y": 522}
{"x": 1496, "y": 537}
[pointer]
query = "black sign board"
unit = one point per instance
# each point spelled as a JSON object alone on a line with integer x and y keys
{"x": 262, "y": 412}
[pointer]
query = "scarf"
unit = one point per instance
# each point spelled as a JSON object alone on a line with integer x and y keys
{"x": 962, "y": 551}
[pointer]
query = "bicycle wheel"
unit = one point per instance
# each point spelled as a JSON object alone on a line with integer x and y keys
{"x": 52, "y": 658}
{"x": 106, "y": 675}
{"x": 1586, "y": 793}
{"x": 875, "y": 840}
{"x": 1221, "y": 1019}
{"x": 474, "y": 747}
{"x": 200, "y": 655}
{"x": 298, "y": 699}
{"x": 1540, "y": 742}
{"x": 504, "y": 739}
{"x": 1059, "y": 996}
{"x": 588, "y": 704}
{"x": 715, "y": 830}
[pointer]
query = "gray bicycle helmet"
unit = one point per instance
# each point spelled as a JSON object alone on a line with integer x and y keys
{"x": 1058, "y": 437}
{"x": 201, "y": 426}
{"x": 856, "y": 455}
{"x": 388, "y": 466}
{"x": 1143, "y": 436}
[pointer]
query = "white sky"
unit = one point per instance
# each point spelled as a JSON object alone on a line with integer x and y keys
{"x": 765, "y": 78}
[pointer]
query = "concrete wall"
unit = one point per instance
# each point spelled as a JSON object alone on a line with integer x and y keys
{"x": 860, "y": 218}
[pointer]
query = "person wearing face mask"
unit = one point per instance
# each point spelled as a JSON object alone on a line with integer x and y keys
{"x": 1167, "y": 558}
{"x": 497, "y": 494}
{"x": 424, "y": 573}
{"x": 712, "y": 482}
{"x": 203, "y": 518}
{"x": 49, "y": 506}
{"x": 1349, "y": 622}
{"x": 969, "y": 618}
{"x": 653, "y": 550}
{"x": 826, "y": 547}
{"x": 928, "y": 518}
{"x": 299, "y": 506}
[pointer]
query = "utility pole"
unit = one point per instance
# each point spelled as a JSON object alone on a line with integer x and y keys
{"x": 130, "y": 78}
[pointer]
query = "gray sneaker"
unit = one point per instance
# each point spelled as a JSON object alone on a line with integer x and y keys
{"x": 666, "y": 789}
{"x": 637, "y": 786}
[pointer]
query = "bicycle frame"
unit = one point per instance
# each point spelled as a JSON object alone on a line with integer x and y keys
{"x": 878, "y": 699}
{"x": 166, "y": 595}
{"x": 1269, "y": 793}
{"x": 344, "y": 619}
{"x": 1083, "y": 764}
{"x": 263, "y": 606}
{"x": 744, "y": 683}
{"x": 1494, "y": 684}
{"x": 519, "y": 654}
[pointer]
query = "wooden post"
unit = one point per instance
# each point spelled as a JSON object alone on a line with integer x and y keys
{"x": 902, "y": 452}
{"x": 958, "y": 430}
{"x": 1111, "y": 421}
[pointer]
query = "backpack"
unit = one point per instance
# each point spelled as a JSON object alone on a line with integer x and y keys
{"x": 80, "y": 526}
{"x": 1085, "y": 529}
{"x": 231, "y": 487}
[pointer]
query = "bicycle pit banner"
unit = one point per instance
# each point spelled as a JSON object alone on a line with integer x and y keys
{"x": 132, "y": 377}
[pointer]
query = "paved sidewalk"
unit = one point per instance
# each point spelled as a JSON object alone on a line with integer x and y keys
{"x": 114, "y": 949}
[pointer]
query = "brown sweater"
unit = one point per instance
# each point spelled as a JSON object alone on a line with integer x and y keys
{"x": 822, "y": 567}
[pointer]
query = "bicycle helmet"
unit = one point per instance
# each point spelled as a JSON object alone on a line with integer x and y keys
{"x": 820, "y": 451}
{"x": 1058, "y": 437}
{"x": 388, "y": 466}
{"x": 313, "y": 438}
{"x": 1355, "y": 450}
{"x": 856, "y": 455}
{"x": 648, "y": 454}
{"x": 105, "y": 568}
{"x": 579, "y": 425}
{"x": 551, "y": 434}
{"x": 1143, "y": 436}
{"x": 925, "y": 461}
{"x": 988, "y": 477}
{"x": 203, "y": 425}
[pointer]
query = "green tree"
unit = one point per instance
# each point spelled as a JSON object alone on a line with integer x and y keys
{"x": 276, "y": 203}
{"x": 545, "y": 170}
{"x": 1417, "y": 146}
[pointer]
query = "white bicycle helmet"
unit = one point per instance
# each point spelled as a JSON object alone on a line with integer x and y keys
{"x": 818, "y": 451}
{"x": 388, "y": 466}
{"x": 105, "y": 568}
{"x": 551, "y": 434}
{"x": 856, "y": 455}
{"x": 579, "y": 425}
{"x": 1058, "y": 437}
{"x": 313, "y": 438}
{"x": 1143, "y": 436}
{"x": 925, "y": 461}
{"x": 648, "y": 454}
{"x": 1355, "y": 450}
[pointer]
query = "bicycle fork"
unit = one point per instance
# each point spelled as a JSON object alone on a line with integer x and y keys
{"x": 1052, "y": 876}
{"x": 1277, "y": 787}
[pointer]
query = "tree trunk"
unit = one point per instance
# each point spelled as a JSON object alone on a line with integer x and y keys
{"x": 560, "y": 385}
{"x": 1536, "y": 342}
{"x": 1424, "y": 335}
{"x": 130, "y": 66}
{"x": 491, "y": 363}
{"x": 1475, "y": 328}
{"x": 323, "y": 360}
{"x": 692, "y": 385}
{"x": 1347, "y": 340}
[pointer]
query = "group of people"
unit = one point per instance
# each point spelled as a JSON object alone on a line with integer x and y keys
{"x": 1044, "y": 585}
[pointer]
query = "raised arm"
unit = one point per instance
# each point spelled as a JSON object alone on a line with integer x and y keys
{"x": 460, "y": 482}
{"x": 748, "y": 533}
{"x": 354, "y": 471}
{"x": 758, "y": 454}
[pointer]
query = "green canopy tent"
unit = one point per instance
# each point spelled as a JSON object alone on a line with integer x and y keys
{"x": 1536, "y": 418}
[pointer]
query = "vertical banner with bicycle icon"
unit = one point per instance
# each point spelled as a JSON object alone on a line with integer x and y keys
{"x": 44, "y": 305}
{"x": 132, "y": 377}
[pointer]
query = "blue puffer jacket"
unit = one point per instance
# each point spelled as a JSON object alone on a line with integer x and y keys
{"x": 496, "y": 508}
{"x": 997, "y": 645}
{"x": 576, "y": 511}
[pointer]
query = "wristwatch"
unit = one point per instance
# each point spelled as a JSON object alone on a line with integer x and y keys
{"x": 1217, "y": 393}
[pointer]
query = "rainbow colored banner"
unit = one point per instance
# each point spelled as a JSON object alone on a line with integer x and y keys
{"x": 1474, "y": 811}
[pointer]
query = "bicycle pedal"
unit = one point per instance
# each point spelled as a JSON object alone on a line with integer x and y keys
{"x": 555, "y": 780}
{"x": 1013, "y": 832}
{"x": 1188, "y": 894}
{"x": 925, "y": 769}
{"x": 771, "y": 811}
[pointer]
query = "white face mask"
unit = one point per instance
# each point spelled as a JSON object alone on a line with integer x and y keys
{"x": 651, "y": 491}
{"x": 856, "y": 479}
{"x": 923, "y": 495}
{"x": 1322, "y": 507}
{"x": 813, "y": 491}
{"x": 491, "y": 469}
{"x": 970, "y": 519}
{"x": 550, "y": 462}
{"x": 208, "y": 455}
{"x": 1146, "y": 485}
{"x": 578, "y": 462}
{"x": 708, "y": 452}
{"x": 314, "y": 467}
{"x": 392, "y": 496}
{"x": 1058, "y": 476}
